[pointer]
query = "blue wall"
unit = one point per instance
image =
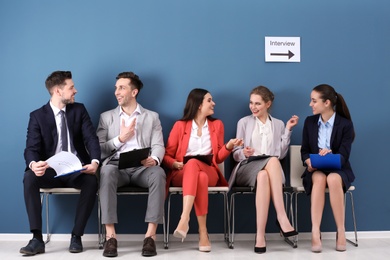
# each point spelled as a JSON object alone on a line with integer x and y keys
{"x": 178, "y": 45}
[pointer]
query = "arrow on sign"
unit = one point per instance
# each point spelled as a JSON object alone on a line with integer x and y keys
{"x": 289, "y": 54}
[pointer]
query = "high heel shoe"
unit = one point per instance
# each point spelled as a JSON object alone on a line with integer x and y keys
{"x": 318, "y": 248}
{"x": 340, "y": 248}
{"x": 180, "y": 234}
{"x": 260, "y": 250}
{"x": 205, "y": 248}
{"x": 286, "y": 234}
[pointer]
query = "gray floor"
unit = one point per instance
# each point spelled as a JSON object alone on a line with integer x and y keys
{"x": 370, "y": 247}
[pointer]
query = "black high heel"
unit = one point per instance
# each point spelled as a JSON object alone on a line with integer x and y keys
{"x": 286, "y": 234}
{"x": 260, "y": 250}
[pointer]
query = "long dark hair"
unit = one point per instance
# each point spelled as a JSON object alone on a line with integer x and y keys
{"x": 327, "y": 92}
{"x": 194, "y": 100}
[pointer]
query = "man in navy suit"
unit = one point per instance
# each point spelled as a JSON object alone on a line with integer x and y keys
{"x": 43, "y": 141}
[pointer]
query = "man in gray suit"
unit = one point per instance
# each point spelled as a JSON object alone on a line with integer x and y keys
{"x": 124, "y": 128}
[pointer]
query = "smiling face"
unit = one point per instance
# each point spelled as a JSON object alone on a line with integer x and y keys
{"x": 67, "y": 92}
{"x": 207, "y": 107}
{"x": 258, "y": 106}
{"x": 124, "y": 93}
{"x": 318, "y": 105}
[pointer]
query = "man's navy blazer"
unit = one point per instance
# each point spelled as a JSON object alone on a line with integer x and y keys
{"x": 42, "y": 136}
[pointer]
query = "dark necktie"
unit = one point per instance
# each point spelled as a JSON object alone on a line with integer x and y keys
{"x": 64, "y": 132}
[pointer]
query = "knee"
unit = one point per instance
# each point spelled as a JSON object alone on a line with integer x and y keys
{"x": 203, "y": 179}
{"x": 106, "y": 175}
{"x": 158, "y": 176}
{"x": 273, "y": 161}
{"x": 29, "y": 178}
{"x": 334, "y": 180}
{"x": 262, "y": 177}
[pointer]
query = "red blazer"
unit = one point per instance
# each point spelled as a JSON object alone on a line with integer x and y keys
{"x": 177, "y": 145}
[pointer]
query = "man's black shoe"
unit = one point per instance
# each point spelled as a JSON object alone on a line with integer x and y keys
{"x": 110, "y": 248}
{"x": 33, "y": 247}
{"x": 75, "y": 244}
{"x": 149, "y": 248}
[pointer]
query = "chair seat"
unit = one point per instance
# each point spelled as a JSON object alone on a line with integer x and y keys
{"x": 210, "y": 189}
{"x": 132, "y": 189}
{"x": 60, "y": 190}
{"x": 302, "y": 189}
{"x": 243, "y": 189}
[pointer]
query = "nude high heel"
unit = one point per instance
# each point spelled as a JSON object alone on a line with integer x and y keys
{"x": 340, "y": 248}
{"x": 181, "y": 234}
{"x": 205, "y": 248}
{"x": 317, "y": 249}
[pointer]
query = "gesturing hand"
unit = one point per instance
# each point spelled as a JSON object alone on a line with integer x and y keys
{"x": 293, "y": 121}
{"x": 127, "y": 132}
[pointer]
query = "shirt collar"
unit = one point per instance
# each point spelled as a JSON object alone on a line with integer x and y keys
{"x": 195, "y": 126}
{"x": 55, "y": 109}
{"x": 330, "y": 121}
{"x": 137, "y": 111}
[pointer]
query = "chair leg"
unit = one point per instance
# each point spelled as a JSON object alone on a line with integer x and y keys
{"x": 226, "y": 218}
{"x": 292, "y": 242}
{"x": 232, "y": 208}
{"x": 165, "y": 233}
{"x": 101, "y": 236}
{"x": 354, "y": 220}
{"x": 48, "y": 235}
{"x": 166, "y": 242}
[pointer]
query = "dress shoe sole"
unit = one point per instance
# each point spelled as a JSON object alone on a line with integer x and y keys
{"x": 75, "y": 250}
{"x": 149, "y": 253}
{"x": 110, "y": 254}
{"x": 25, "y": 252}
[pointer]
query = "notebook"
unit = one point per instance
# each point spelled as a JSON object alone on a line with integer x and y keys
{"x": 329, "y": 161}
{"x": 207, "y": 159}
{"x": 133, "y": 158}
{"x": 257, "y": 157}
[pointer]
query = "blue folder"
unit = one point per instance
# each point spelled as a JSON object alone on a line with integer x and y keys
{"x": 330, "y": 161}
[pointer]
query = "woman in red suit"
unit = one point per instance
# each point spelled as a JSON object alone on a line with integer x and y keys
{"x": 196, "y": 133}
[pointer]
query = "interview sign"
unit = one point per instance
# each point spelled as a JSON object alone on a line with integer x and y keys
{"x": 282, "y": 49}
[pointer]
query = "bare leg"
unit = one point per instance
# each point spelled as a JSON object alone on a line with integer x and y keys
{"x": 262, "y": 206}
{"x": 110, "y": 231}
{"x": 317, "y": 207}
{"x": 188, "y": 202}
{"x": 274, "y": 169}
{"x": 151, "y": 232}
{"x": 203, "y": 234}
{"x": 336, "y": 197}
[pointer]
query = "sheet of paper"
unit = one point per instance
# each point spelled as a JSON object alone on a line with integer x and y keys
{"x": 65, "y": 163}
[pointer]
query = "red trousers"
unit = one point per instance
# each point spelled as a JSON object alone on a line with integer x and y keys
{"x": 195, "y": 178}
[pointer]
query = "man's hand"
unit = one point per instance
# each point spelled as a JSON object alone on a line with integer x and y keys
{"x": 90, "y": 168}
{"x": 39, "y": 168}
{"x": 127, "y": 132}
{"x": 148, "y": 162}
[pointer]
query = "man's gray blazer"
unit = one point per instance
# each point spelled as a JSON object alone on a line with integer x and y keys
{"x": 149, "y": 133}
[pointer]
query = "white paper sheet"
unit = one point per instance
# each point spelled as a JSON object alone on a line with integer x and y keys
{"x": 65, "y": 163}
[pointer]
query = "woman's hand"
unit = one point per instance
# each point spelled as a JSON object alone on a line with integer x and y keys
{"x": 248, "y": 151}
{"x": 308, "y": 163}
{"x": 293, "y": 121}
{"x": 234, "y": 142}
{"x": 324, "y": 151}
{"x": 178, "y": 165}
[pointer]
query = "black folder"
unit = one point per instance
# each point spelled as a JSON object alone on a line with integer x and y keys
{"x": 133, "y": 158}
{"x": 207, "y": 159}
{"x": 257, "y": 157}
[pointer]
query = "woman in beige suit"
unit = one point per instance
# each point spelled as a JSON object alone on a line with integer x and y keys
{"x": 266, "y": 136}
